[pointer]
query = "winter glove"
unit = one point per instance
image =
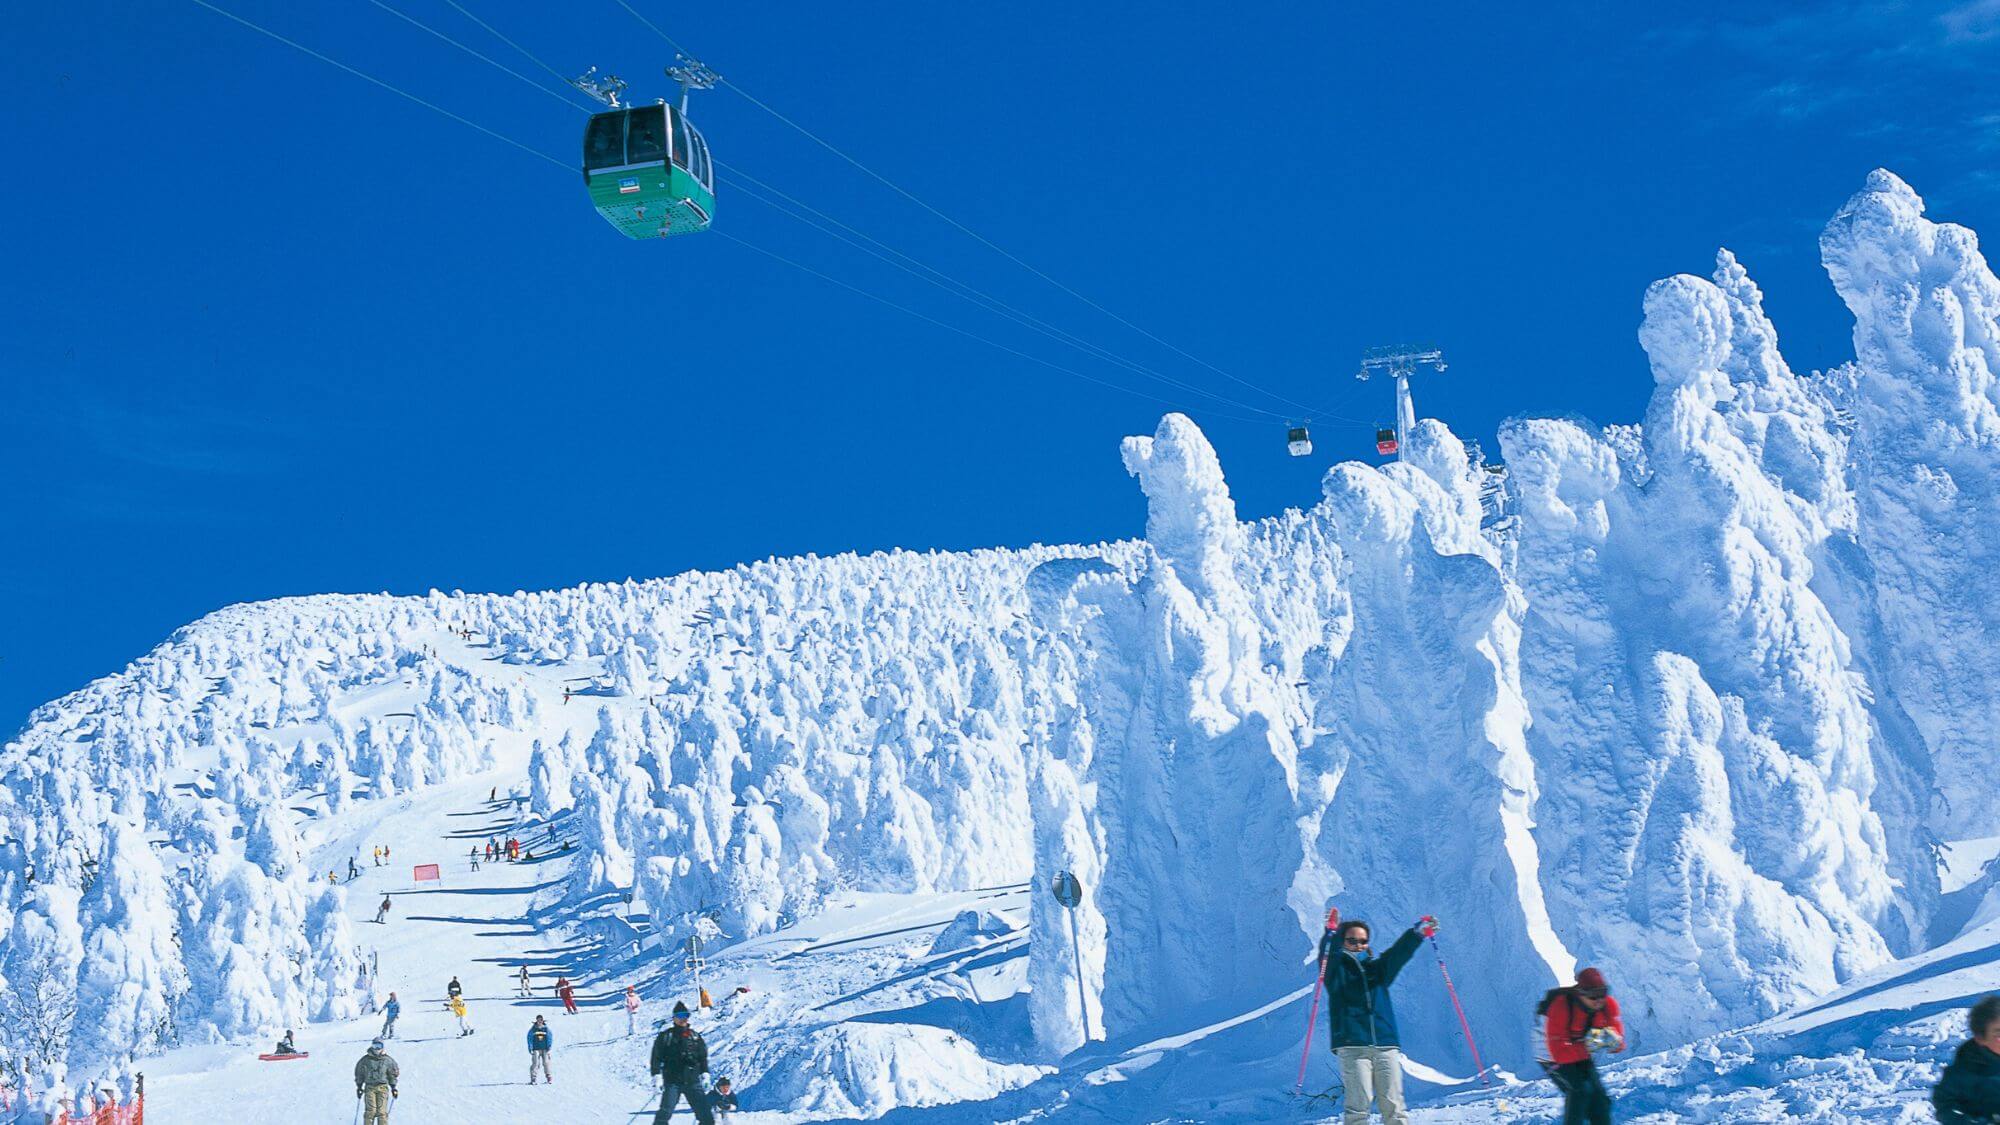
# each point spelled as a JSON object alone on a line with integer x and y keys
{"x": 1427, "y": 926}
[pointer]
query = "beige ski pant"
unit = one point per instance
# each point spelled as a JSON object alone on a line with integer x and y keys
{"x": 541, "y": 1059}
{"x": 1372, "y": 1076}
{"x": 375, "y": 1106}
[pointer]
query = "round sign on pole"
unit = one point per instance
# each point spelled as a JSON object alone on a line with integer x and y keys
{"x": 1067, "y": 890}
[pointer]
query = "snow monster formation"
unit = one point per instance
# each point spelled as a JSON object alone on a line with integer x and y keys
{"x": 1183, "y": 770}
{"x": 1698, "y": 708}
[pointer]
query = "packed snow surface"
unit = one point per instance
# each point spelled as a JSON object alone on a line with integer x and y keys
{"x": 1704, "y": 700}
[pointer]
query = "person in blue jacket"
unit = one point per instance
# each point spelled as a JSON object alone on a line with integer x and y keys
{"x": 391, "y": 1010}
{"x": 540, "y": 1040}
{"x": 1363, "y": 1018}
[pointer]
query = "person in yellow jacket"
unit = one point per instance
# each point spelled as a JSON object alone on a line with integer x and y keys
{"x": 458, "y": 1009}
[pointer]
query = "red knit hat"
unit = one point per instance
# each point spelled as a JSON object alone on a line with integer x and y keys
{"x": 1590, "y": 980}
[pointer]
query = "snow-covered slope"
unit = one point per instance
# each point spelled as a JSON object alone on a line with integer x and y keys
{"x": 1700, "y": 712}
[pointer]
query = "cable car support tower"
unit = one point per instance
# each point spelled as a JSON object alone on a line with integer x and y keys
{"x": 1399, "y": 363}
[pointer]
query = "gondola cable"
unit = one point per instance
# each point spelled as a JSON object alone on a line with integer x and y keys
{"x": 941, "y": 279}
{"x": 567, "y": 168}
{"x": 968, "y": 231}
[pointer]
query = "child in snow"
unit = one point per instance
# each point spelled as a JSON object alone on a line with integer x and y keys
{"x": 631, "y": 1009}
{"x": 541, "y": 1039}
{"x": 457, "y": 1006}
{"x": 390, "y": 1011}
{"x": 722, "y": 1101}
{"x": 1969, "y": 1089}
{"x": 285, "y": 1045}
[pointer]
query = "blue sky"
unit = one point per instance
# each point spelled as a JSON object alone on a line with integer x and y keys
{"x": 273, "y": 330}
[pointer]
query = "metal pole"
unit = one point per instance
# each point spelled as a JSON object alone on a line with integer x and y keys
{"x": 1406, "y": 414}
{"x": 1082, "y": 1000}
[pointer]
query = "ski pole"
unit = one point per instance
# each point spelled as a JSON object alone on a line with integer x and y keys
{"x": 1312, "y": 1016}
{"x": 1428, "y": 926}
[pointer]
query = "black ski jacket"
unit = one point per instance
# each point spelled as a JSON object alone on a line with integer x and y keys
{"x": 1968, "y": 1091}
{"x": 680, "y": 1056}
{"x": 1358, "y": 1009}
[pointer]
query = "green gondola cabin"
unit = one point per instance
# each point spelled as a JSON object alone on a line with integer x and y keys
{"x": 649, "y": 171}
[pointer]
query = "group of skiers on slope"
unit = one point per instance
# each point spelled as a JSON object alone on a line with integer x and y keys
{"x": 1577, "y": 1021}
{"x": 679, "y": 1062}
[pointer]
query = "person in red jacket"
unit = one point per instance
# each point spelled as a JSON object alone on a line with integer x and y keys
{"x": 568, "y": 993}
{"x": 1577, "y": 1022}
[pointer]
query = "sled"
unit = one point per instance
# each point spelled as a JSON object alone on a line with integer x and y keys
{"x": 285, "y": 1058}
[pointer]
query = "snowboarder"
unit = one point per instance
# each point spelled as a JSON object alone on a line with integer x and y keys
{"x": 631, "y": 1009}
{"x": 680, "y": 1058}
{"x": 567, "y": 991}
{"x": 285, "y": 1046}
{"x": 375, "y": 1075}
{"x": 1362, "y": 1019}
{"x": 382, "y": 912}
{"x": 376, "y": 851}
{"x": 1968, "y": 1091}
{"x": 722, "y": 1102}
{"x": 330, "y": 879}
{"x": 353, "y": 872}
{"x": 390, "y": 1011}
{"x": 1577, "y": 1022}
{"x": 540, "y": 1041}
{"x": 454, "y": 989}
{"x": 493, "y": 794}
{"x": 457, "y": 1007}
{"x": 525, "y": 989}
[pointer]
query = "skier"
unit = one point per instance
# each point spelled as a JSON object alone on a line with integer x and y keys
{"x": 1362, "y": 1019}
{"x": 631, "y": 1009}
{"x": 722, "y": 1102}
{"x": 1968, "y": 1092}
{"x": 457, "y": 1006}
{"x": 680, "y": 1058}
{"x": 285, "y": 1045}
{"x": 353, "y": 872}
{"x": 330, "y": 880}
{"x": 567, "y": 991}
{"x": 375, "y": 1075}
{"x": 376, "y": 853}
{"x": 1578, "y": 1021}
{"x": 390, "y": 1011}
{"x": 382, "y": 912}
{"x": 454, "y": 989}
{"x": 540, "y": 1040}
{"x": 493, "y": 794}
{"x": 525, "y": 990}
{"x": 474, "y": 854}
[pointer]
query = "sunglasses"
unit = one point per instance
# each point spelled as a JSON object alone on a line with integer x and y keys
{"x": 1354, "y": 941}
